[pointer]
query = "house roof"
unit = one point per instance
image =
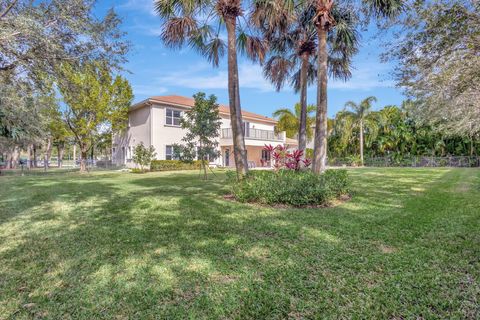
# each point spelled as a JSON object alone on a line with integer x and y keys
{"x": 190, "y": 102}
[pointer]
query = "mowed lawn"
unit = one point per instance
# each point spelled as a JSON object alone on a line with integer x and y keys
{"x": 167, "y": 245}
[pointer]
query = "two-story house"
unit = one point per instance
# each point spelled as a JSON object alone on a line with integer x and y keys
{"x": 156, "y": 121}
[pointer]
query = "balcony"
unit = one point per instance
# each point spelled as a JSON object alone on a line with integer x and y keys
{"x": 255, "y": 134}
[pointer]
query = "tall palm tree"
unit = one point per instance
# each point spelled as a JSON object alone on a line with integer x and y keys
{"x": 327, "y": 24}
{"x": 289, "y": 121}
{"x": 360, "y": 112}
{"x": 199, "y": 24}
{"x": 292, "y": 47}
{"x": 292, "y": 38}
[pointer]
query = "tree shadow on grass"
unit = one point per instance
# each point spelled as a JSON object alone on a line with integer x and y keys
{"x": 168, "y": 246}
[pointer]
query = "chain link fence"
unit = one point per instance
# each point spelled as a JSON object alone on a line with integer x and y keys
{"x": 415, "y": 161}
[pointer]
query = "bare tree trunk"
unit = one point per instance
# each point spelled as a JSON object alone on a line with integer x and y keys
{"x": 34, "y": 156}
{"x": 74, "y": 155}
{"x": 361, "y": 142}
{"x": 47, "y": 153}
{"x": 15, "y": 156}
{"x": 239, "y": 149}
{"x": 60, "y": 151}
{"x": 83, "y": 159}
{"x": 302, "y": 130}
{"x": 471, "y": 146}
{"x": 320, "y": 143}
{"x": 8, "y": 159}
{"x": 30, "y": 156}
{"x": 204, "y": 165}
{"x": 92, "y": 151}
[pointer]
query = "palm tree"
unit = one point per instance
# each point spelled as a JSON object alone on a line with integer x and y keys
{"x": 328, "y": 25}
{"x": 291, "y": 35}
{"x": 289, "y": 121}
{"x": 292, "y": 47}
{"x": 199, "y": 24}
{"x": 360, "y": 112}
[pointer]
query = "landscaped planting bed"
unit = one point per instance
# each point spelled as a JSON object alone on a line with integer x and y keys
{"x": 289, "y": 187}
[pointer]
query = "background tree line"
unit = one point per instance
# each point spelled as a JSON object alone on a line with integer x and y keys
{"x": 59, "y": 79}
{"x": 396, "y": 132}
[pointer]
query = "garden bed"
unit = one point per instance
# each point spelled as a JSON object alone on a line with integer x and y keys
{"x": 290, "y": 188}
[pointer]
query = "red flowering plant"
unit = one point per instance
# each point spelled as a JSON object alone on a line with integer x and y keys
{"x": 283, "y": 159}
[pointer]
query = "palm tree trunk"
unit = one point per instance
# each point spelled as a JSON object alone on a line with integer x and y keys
{"x": 239, "y": 149}
{"x": 320, "y": 143}
{"x": 302, "y": 130}
{"x": 361, "y": 142}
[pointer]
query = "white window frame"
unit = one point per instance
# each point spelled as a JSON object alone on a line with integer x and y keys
{"x": 172, "y": 117}
{"x": 170, "y": 155}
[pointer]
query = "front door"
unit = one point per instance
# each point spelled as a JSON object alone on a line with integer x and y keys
{"x": 227, "y": 157}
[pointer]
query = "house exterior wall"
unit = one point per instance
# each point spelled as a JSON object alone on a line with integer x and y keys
{"x": 164, "y": 135}
{"x": 147, "y": 124}
{"x": 137, "y": 131}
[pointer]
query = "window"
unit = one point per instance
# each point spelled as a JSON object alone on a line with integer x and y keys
{"x": 173, "y": 117}
{"x": 169, "y": 154}
{"x": 265, "y": 155}
{"x": 246, "y": 129}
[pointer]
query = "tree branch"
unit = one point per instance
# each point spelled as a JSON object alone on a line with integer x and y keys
{"x": 7, "y": 10}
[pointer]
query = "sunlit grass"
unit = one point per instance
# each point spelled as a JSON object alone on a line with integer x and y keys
{"x": 167, "y": 245}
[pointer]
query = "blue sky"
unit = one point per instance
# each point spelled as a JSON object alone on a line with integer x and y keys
{"x": 156, "y": 70}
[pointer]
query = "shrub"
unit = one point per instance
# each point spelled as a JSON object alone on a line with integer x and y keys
{"x": 284, "y": 159}
{"x": 354, "y": 160}
{"x": 137, "y": 170}
{"x": 288, "y": 187}
{"x": 143, "y": 156}
{"x": 170, "y": 165}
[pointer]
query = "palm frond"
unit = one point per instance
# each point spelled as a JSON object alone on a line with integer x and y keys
{"x": 214, "y": 50}
{"x": 384, "y": 8}
{"x": 176, "y": 31}
{"x": 253, "y": 47}
{"x": 283, "y": 112}
{"x": 277, "y": 70}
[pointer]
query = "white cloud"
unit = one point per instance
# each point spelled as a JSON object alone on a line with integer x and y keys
{"x": 148, "y": 89}
{"x": 366, "y": 76}
{"x": 139, "y": 5}
{"x": 201, "y": 77}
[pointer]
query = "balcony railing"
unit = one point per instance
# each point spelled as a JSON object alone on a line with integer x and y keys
{"x": 256, "y": 134}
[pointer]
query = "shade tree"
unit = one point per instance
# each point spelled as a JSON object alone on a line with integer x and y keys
{"x": 95, "y": 102}
{"x": 202, "y": 124}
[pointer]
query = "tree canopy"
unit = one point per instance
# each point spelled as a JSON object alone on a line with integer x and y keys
{"x": 438, "y": 63}
{"x": 37, "y": 36}
{"x": 95, "y": 102}
{"x": 202, "y": 124}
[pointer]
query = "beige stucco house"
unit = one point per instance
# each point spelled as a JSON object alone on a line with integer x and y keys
{"x": 156, "y": 121}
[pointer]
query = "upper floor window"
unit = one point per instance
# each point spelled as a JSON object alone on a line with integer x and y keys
{"x": 173, "y": 117}
{"x": 246, "y": 129}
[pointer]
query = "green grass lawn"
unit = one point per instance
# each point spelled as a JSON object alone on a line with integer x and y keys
{"x": 167, "y": 245}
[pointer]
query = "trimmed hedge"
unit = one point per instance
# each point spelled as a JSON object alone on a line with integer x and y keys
{"x": 170, "y": 165}
{"x": 288, "y": 187}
